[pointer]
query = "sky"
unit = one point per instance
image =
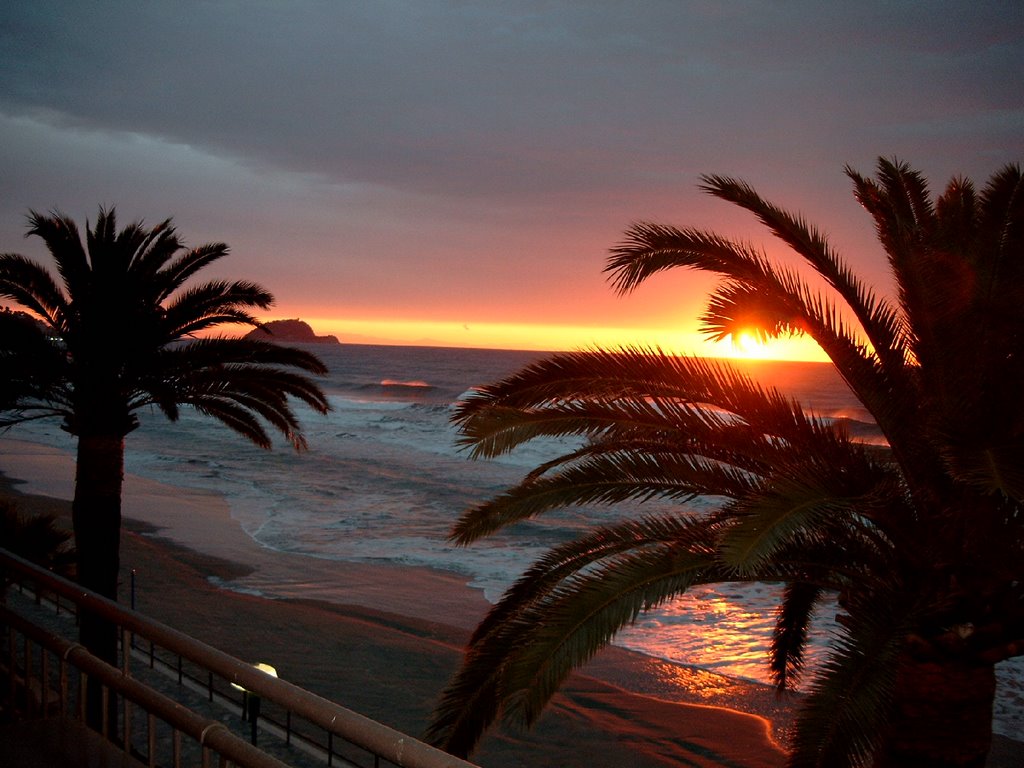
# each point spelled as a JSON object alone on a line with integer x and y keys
{"x": 454, "y": 173}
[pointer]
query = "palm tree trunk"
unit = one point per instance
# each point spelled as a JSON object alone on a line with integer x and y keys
{"x": 943, "y": 715}
{"x": 96, "y": 516}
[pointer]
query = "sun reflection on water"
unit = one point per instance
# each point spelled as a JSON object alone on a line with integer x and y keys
{"x": 725, "y": 629}
{"x": 699, "y": 683}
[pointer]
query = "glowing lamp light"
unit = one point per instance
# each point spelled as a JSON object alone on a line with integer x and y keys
{"x": 266, "y": 668}
{"x": 262, "y": 668}
{"x": 250, "y": 701}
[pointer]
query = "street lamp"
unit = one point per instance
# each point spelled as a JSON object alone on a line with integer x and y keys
{"x": 251, "y": 701}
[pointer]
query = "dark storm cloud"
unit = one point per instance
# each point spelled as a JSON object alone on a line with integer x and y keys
{"x": 507, "y": 144}
{"x": 477, "y": 98}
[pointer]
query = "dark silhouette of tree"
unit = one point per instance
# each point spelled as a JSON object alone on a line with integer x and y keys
{"x": 37, "y": 538}
{"x": 917, "y": 545}
{"x": 117, "y": 336}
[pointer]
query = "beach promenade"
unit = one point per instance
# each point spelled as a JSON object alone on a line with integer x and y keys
{"x": 180, "y": 702}
{"x": 63, "y": 742}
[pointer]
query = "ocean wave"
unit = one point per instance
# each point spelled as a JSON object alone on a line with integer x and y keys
{"x": 415, "y": 383}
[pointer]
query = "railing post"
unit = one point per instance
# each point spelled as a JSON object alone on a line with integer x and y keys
{"x": 63, "y": 687}
{"x": 254, "y": 713}
{"x": 11, "y": 659}
{"x": 27, "y": 676}
{"x": 105, "y": 702}
{"x": 44, "y": 663}
{"x": 151, "y": 739}
{"x": 126, "y": 654}
{"x": 83, "y": 680}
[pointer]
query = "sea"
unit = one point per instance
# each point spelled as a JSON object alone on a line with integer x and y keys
{"x": 384, "y": 479}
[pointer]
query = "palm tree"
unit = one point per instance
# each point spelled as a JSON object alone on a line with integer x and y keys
{"x": 37, "y": 538}
{"x": 917, "y": 545}
{"x": 118, "y": 337}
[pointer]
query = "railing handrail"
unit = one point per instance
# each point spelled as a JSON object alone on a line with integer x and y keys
{"x": 375, "y": 737}
{"x": 208, "y": 732}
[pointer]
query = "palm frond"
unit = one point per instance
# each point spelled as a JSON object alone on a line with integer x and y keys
{"x": 176, "y": 273}
{"x": 37, "y": 538}
{"x": 121, "y": 329}
{"x": 789, "y": 637}
{"x": 907, "y": 189}
{"x": 673, "y": 426}
{"x": 875, "y": 380}
{"x": 801, "y": 494}
{"x": 738, "y": 453}
{"x": 648, "y": 248}
{"x": 956, "y": 215}
{"x": 601, "y": 376}
{"x": 524, "y": 659}
{"x": 259, "y": 399}
{"x": 60, "y": 234}
{"x": 29, "y": 284}
{"x": 34, "y": 368}
{"x": 840, "y": 724}
{"x": 225, "y": 377}
{"x": 104, "y": 233}
{"x": 878, "y": 321}
{"x": 551, "y": 568}
{"x": 587, "y": 611}
{"x": 236, "y": 417}
{"x": 906, "y": 224}
{"x": 149, "y": 253}
{"x": 991, "y": 468}
{"x": 1002, "y": 218}
{"x": 214, "y": 351}
{"x": 602, "y": 479}
{"x": 735, "y": 308}
{"x": 637, "y": 420}
{"x": 205, "y": 306}
{"x": 112, "y": 251}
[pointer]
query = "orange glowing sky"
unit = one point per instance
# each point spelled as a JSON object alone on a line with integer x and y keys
{"x": 454, "y": 173}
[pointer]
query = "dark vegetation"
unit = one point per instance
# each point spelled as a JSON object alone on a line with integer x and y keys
{"x": 915, "y": 546}
{"x": 120, "y": 334}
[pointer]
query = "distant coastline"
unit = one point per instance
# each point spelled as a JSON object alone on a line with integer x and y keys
{"x": 292, "y": 331}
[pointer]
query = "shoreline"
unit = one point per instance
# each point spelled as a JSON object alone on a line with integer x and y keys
{"x": 386, "y": 651}
{"x": 389, "y": 647}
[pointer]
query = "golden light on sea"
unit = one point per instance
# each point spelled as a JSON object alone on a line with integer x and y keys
{"x": 553, "y": 338}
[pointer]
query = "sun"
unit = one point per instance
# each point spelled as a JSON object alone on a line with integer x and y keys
{"x": 747, "y": 345}
{"x": 750, "y": 345}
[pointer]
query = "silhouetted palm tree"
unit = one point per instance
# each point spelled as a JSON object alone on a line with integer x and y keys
{"x": 918, "y": 544}
{"x": 116, "y": 337}
{"x": 37, "y": 538}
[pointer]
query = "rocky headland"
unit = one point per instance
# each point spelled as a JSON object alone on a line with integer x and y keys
{"x": 291, "y": 331}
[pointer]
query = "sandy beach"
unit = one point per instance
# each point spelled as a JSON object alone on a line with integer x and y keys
{"x": 388, "y": 650}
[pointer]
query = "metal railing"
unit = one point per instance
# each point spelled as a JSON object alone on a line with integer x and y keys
{"x": 294, "y": 714}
